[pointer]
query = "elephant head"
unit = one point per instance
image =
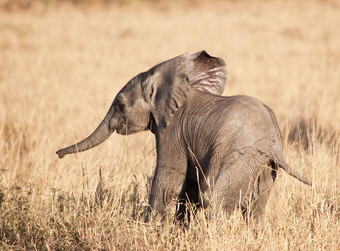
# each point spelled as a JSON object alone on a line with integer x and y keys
{"x": 150, "y": 100}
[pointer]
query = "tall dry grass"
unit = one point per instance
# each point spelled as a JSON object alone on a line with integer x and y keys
{"x": 61, "y": 67}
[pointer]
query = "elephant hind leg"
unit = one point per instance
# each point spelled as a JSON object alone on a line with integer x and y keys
{"x": 189, "y": 200}
{"x": 254, "y": 204}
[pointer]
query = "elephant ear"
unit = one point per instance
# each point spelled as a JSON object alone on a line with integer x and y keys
{"x": 209, "y": 74}
{"x": 166, "y": 85}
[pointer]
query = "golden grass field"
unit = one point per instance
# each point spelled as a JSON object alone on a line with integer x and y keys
{"x": 60, "y": 68}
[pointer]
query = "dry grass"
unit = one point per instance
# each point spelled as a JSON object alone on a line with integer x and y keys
{"x": 61, "y": 67}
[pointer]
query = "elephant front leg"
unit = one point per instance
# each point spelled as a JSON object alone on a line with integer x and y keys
{"x": 170, "y": 171}
{"x": 166, "y": 187}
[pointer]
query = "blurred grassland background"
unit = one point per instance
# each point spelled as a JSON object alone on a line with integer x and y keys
{"x": 61, "y": 65}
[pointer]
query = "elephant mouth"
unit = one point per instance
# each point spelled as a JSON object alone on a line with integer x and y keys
{"x": 122, "y": 130}
{"x": 130, "y": 129}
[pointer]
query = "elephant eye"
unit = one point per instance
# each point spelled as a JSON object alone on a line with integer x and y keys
{"x": 120, "y": 106}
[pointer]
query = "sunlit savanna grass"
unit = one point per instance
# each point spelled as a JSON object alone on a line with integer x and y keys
{"x": 60, "y": 68}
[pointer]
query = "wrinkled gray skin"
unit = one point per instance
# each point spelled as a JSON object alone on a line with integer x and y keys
{"x": 209, "y": 147}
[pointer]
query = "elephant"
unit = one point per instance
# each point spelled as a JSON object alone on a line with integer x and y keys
{"x": 210, "y": 148}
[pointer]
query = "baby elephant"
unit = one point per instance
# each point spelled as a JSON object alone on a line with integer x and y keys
{"x": 210, "y": 148}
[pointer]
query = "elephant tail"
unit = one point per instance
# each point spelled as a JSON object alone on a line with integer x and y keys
{"x": 284, "y": 165}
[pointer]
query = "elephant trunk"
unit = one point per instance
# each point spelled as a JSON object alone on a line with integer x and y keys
{"x": 103, "y": 131}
